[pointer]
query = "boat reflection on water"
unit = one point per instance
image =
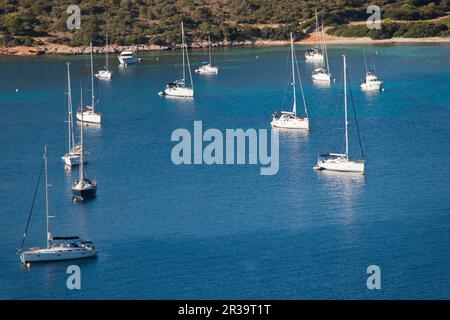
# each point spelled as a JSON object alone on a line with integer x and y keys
{"x": 292, "y": 140}
{"x": 344, "y": 189}
{"x": 292, "y": 132}
{"x": 93, "y": 126}
{"x": 322, "y": 84}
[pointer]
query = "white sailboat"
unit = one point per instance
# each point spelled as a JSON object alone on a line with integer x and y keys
{"x": 323, "y": 73}
{"x": 105, "y": 73}
{"x": 58, "y": 248}
{"x": 207, "y": 67}
{"x": 286, "y": 119}
{"x": 371, "y": 82}
{"x": 338, "y": 161}
{"x": 88, "y": 113}
{"x": 73, "y": 155}
{"x": 178, "y": 88}
{"x": 83, "y": 189}
{"x": 315, "y": 54}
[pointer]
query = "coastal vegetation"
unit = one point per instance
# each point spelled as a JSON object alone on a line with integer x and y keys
{"x": 127, "y": 22}
{"x": 391, "y": 29}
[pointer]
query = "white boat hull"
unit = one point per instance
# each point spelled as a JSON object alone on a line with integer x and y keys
{"x": 341, "y": 165}
{"x": 90, "y": 117}
{"x": 372, "y": 83}
{"x": 298, "y": 123}
{"x": 74, "y": 160}
{"x": 207, "y": 69}
{"x": 44, "y": 255}
{"x": 179, "y": 92}
{"x": 127, "y": 61}
{"x": 321, "y": 77}
{"x": 104, "y": 75}
{"x": 318, "y": 57}
{"x": 374, "y": 86}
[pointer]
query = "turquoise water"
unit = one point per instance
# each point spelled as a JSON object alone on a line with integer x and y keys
{"x": 178, "y": 232}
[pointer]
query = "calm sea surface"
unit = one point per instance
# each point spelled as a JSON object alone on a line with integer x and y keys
{"x": 166, "y": 231}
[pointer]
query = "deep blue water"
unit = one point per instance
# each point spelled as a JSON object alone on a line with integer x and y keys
{"x": 178, "y": 232}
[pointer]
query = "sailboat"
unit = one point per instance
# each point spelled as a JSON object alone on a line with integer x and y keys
{"x": 372, "y": 82}
{"x": 290, "y": 120}
{"x": 178, "y": 88}
{"x": 88, "y": 113}
{"x": 58, "y": 248}
{"x": 83, "y": 189}
{"x": 73, "y": 155}
{"x": 207, "y": 67}
{"x": 314, "y": 54}
{"x": 105, "y": 73}
{"x": 323, "y": 73}
{"x": 337, "y": 161}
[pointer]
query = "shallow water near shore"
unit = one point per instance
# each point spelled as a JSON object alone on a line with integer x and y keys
{"x": 208, "y": 232}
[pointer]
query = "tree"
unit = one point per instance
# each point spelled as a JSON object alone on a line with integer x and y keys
{"x": 20, "y": 23}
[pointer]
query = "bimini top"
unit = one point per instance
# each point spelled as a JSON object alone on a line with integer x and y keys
{"x": 312, "y": 50}
{"x": 333, "y": 155}
{"x": 176, "y": 83}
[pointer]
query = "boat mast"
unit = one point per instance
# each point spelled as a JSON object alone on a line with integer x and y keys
{"x": 345, "y": 107}
{"x": 317, "y": 29}
{"x": 69, "y": 109}
{"x": 187, "y": 58}
{"x": 107, "y": 55}
{"x": 327, "y": 65}
{"x": 81, "y": 174}
{"x": 210, "y": 56}
{"x": 182, "y": 47}
{"x": 46, "y": 198}
{"x": 92, "y": 79}
{"x": 365, "y": 60}
{"x": 294, "y": 108}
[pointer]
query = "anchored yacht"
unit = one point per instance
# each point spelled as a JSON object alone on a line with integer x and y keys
{"x": 58, "y": 248}
{"x": 179, "y": 88}
{"x": 340, "y": 161}
{"x": 128, "y": 57}
{"x": 88, "y": 113}
{"x": 207, "y": 67}
{"x": 73, "y": 155}
{"x": 289, "y": 119}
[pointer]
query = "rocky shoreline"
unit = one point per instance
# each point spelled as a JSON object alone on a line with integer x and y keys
{"x": 57, "y": 49}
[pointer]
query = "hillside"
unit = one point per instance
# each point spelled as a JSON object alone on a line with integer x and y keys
{"x": 157, "y": 22}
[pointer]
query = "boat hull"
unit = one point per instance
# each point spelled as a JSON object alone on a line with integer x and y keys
{"x": 378, "y": 86}
{"x": 322, "y": 75}
{"x": 179, "y": 92}
{"x": 341, "y": 166}
{"x": 84, "y": 192}
{"x": 74, "y": 160}
{"x": 207, "y": 70}
{"x": 46, "y": 255}
{"x": 104, "y": 75}
{"x": 90, "y": 117}
{"x": 318, "y": 57}
{"x": 127, "y": 61}
{"x": 301, "y": 124}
